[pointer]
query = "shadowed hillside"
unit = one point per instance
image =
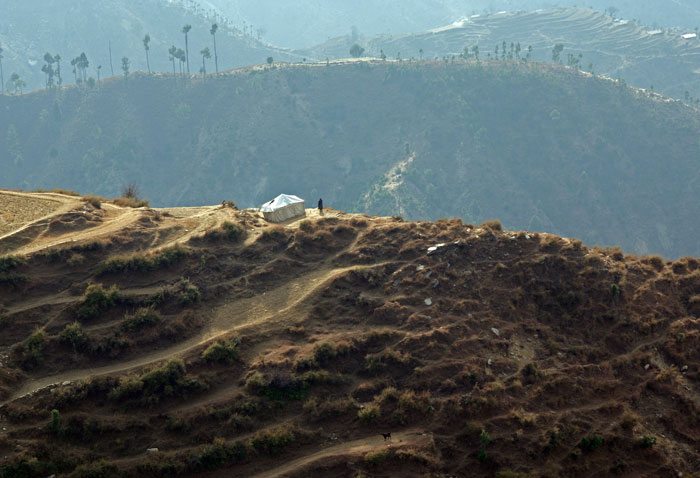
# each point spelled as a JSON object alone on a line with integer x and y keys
{"x": 540, "y": 147}
{"x": 206, "y": 342}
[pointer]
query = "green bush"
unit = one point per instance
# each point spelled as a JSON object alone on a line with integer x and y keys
{"x": 96, "y": 300}
{"x": 369, "y": 414}
{"x": 188, "y": 292}
{"x": 615, "y": 291}
{"x": 96, "y": 469}
{"x": 324, "y": 353}
{"x": 376, "y": 458}
{"x": 33, "y": 352}
{"x": 74, "y": 336}
{"x": 591, "y": 442}
{"x": 272, "y": 442}
{"x": 143, "y": 317}
{"x": 227, "y": 231}
{"x": 8, "y": 263}
{"x": 55, "y": 425}
{"x": 223, "y": 351}
{"x": 144, "y": 263}
{"x": 647, "y": 441}
{"x": 165, "y": 381}
{"x": 218, "y": 454}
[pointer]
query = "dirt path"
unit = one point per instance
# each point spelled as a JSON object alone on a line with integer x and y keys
{"x": 363, "y": 445}
{"x": 271, "y": 307}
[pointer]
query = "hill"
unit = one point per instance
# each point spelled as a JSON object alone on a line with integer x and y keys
{"x": 645, "y": 57}
{"x": 205, "y": 342}
{"x": 540, "y": 147}
{"x": 303, "y": 23}
{"x": 30, "y": 29}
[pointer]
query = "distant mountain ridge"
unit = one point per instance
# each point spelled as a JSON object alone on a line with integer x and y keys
{"x": 303, "y": 23}
{"x": 28, "y": 30}
{"x": 658, "y": 59}
{"x": 538, "y": 146}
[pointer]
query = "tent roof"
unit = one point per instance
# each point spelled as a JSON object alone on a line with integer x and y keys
{"x": 279, "y": 202}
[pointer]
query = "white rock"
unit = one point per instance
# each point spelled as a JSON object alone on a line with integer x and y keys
{"x": 646, "y": 367}
{"x": 685, "y": 367}
{"x": 496, "y": 331}
{"x": 420, "y": 268}
{"x": 428, "y": 301}
{"x": 67, "y": 382}
{"x": 152, "y": 450}
{"x": 489, "y": 361}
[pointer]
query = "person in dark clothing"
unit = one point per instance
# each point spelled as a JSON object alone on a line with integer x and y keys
{"x": 320, "y": 206}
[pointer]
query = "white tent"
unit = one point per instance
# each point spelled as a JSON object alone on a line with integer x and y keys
{"x": 283, "y": 207}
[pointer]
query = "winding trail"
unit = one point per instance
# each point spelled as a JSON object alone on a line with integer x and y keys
{"x": 270, "y": 308}
{"x": 363, "y": 445}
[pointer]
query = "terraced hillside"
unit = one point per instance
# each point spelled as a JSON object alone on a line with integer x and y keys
{"x": 205, "y": 342}
{"x": 616, "y": 48}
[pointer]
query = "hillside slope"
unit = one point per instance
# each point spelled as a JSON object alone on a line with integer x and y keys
{"x": 644, "y": 57}
{"x": 246, "y": 349}
{"x": 539, "y": 147}
{"x": 304, "y": 23}
{"x": 30, "y": 29}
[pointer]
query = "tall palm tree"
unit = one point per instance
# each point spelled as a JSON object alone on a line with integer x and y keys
{"x": 2, "y": 77}
{"x": 215, "y": 27}
{"x": 172, "y": 52}
{"x": 206, "y": 54}
{"x": 57, "y": 60}
{"x": 146, "y": 41}
{"x": 186, "y": 29}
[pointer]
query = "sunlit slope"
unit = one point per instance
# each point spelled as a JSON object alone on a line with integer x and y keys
{"x": 30, "y": 29}
{"x": 540, "y": 147}
{"x": 644, "y": 57}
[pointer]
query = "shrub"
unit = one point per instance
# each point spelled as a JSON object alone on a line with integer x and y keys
{"x": 143, "y": 317}
{"x": 223, "y": 351}
{"x": 96, "y": 300}
{"x": 76, "y": 259}
{"x": 55, "y": 424}
{"x": 273, "y": 234}
{"x": 188, "y": 292}
{"x": 96, "y": 469}
{"x": 376, "y": 458}
{"x": 10, "y": 262}
{"x": 74, "y": 336}
{"x": 329, "y": 407}
{"x": 370, "y": 414}
{"x": 218, "y": 454}
{"x": 165, "y": 381}
{"x": 306, "y": 226}
{"x": 272, "y": 442}
{"x": 144, "y": 263}
{"x": 131, "y": 202}
{"x": 591, "y": 442}
{"x": 647, "y": 441}
{"x": 7, "y": 264}
{"x": 33, "y": 352}
{"x": 93, "y": 201}
{"x": 494, "y": 225}
{"x": 323, "y": 353}
{"x": 227, "y": 231}
{"x": 615, "y": 291}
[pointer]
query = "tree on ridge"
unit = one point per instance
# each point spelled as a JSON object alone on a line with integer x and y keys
{"x": 206, "y": 54}
{"x": 125, "y": 67}
{"x": 186, "y": 29}
{"x": 146, "y": 41}
{"x": 213, "y": 30}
